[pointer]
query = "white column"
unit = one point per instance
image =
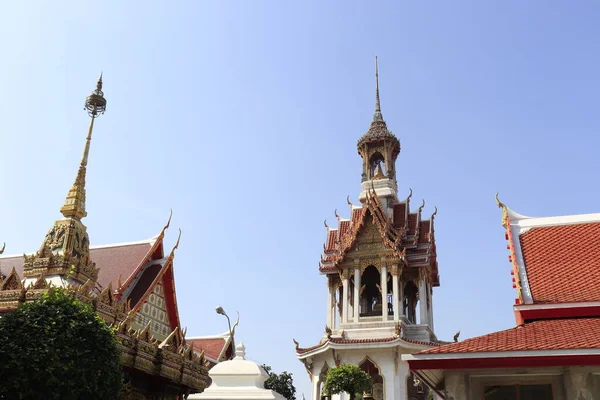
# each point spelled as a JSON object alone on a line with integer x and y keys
{"x": 401, "y": 298}
{"x": 356, "y": 292}
{"x": 315, "y": 388}
{"x": 384, "y": 302}
{"x": 431, "y": 307}
{"x": 397, "y": 302}
{"x": 423, "y": 301}
{"x": 345, "y": 300}
{"x": 330, "y": 312}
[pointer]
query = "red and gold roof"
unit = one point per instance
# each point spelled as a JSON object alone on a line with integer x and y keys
{"x": 406, "y": 233}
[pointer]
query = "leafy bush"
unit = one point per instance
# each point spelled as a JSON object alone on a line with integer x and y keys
{"x": 282, "y": 383}
{"x": 58, "y": 348}
{"x": 347, "y": 378}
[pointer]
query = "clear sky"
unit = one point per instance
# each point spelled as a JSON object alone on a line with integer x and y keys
{"x": 243, "y": 117}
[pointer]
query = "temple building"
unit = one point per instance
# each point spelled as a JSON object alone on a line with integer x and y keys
{"x": 130, "y": 285}
{"x": 381, "y": 266}
{"x": 553, "y": 352}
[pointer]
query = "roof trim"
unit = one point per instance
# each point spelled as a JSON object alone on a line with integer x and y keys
{"x": 502, "y": 354}
{"x": 149, "y": 241}
{"x": 359, "y": 345}
{"x": 525, "y": 222}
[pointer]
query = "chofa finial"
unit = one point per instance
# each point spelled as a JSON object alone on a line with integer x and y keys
{"x": 504, "y": 211}
{"x": 3, "y": 247}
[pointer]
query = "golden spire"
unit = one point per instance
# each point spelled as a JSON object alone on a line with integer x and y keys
{"x": 378, "y": 116}
{"x": 74, "y": 206}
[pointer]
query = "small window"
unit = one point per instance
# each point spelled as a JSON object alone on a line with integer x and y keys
{"x": 518, "y": 392}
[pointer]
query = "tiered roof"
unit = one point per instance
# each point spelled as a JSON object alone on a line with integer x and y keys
{"x": 406, "y": 233}
{"x": 556, "y": 272}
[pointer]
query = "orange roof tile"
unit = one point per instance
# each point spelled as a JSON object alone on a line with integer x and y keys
{"x": 212, "y": 347}
{"x": 563, "y": 262}
{"x": 559, "y": 334}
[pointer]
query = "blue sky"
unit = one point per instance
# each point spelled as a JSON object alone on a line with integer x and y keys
{"x": 243, "y": 117}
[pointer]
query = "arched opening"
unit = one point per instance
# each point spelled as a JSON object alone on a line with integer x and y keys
{"x": 373, "y": 371}
{"x": 415, "y": 389}
{"x": 411, "y": 293}
{"x": 338, "y": 301}
{"x": 390, "y": 294}
{"x": 375, "y": 160}
{"x": 321, "y": 383}
{"x": 370, "y": 293}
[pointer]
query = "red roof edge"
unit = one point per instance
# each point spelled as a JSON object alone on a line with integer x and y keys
{"x": 166, "y": 276}
{"x": 529, "y": 314}
{"x": 504, "y": 362}
{"x": 156, "y": 246}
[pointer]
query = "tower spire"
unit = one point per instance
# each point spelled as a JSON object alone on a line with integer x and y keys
{"x": 377, "y": 116}
{"x": 74, "y": 206}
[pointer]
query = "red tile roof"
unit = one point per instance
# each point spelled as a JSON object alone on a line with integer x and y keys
{"x": 424, "y": 231}
{"x": 412, "y": 224}
{"x": 113, "y": 261}
{"x": 563, "y": 262}
{"x": 212, "y": 347}
{"x": 400, "y": 215}
{"x": 559, "y": 334}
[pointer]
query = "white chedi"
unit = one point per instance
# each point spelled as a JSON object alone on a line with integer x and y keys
{"x": 238, "y": 379}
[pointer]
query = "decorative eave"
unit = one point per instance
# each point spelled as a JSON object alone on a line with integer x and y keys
{"x": 338, "y": 343}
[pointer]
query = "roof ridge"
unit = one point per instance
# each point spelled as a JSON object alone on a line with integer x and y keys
{"x": 101, "y": 246}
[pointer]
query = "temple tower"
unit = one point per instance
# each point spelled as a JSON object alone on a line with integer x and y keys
{"x": 381, "y": 267}
{"x": 64, "y": 256}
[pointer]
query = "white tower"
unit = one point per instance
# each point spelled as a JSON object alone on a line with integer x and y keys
{"x": 381, "y": 267}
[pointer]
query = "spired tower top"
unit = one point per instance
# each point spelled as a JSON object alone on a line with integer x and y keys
{"x": 379, "y": 149}
{"x": 64, "y": 256}
{"x": 74, "y": 206}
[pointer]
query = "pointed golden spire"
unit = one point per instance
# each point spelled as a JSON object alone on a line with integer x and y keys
{"x": 378, "y": 116}
{"x": 74, "y": 206}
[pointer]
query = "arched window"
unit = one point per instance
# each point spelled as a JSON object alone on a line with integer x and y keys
{"x": 370, "y": 293}
{"x": 373, "y": 371}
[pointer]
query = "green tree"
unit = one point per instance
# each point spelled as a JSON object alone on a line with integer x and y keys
{"x": 58, "y": 348}
{"x": 282, "y": 383}
{"x": 347, "y": 378}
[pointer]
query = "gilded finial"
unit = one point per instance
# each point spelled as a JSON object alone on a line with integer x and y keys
{"x": 336, "y": 214}
{"x": 325, "y": 223}
{"x": 409, "y": 194}
{"x": 434, "y": 213}
{"x": 504, "y": 211}
{"x": 348, "y": 201}
{"x": 74, "y": 206}
{"x": 296, "y": 344}
{"x": 377, "y": 116}
{"x": 3, "y": 247}
{"x": 422, "y": 206}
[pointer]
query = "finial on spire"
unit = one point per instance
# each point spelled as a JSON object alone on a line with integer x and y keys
{"x": 74, "y": 206}
{"x": 377, "y": 116}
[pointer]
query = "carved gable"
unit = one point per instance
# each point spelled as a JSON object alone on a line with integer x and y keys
{"x": 154, "y": 311}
